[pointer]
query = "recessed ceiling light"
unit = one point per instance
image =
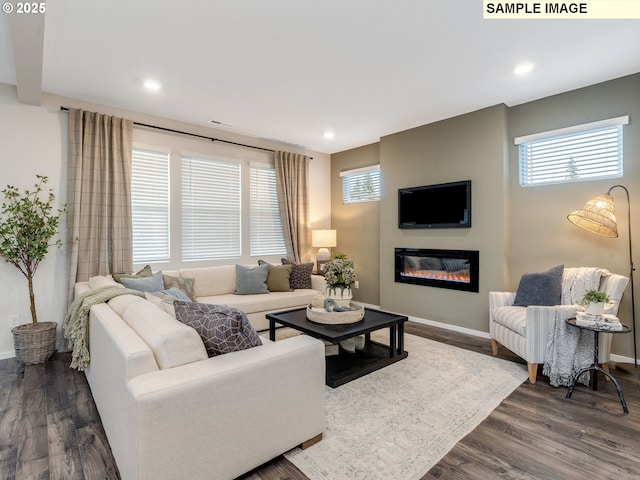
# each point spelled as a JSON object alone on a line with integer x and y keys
{"x": 329, "y": 135}
{"x": 152, "y": 85}
{"x": 523, "y": 69}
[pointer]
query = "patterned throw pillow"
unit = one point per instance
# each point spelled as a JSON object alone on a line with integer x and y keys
{"x": 300, "y": 274}
{"x": 187, "y": 285}
{"x": 222, "y": 329}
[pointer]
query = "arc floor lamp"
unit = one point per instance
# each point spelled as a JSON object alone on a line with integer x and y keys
{"x": 598, "y": 216}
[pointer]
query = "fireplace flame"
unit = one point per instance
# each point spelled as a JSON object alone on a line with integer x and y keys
{"x": 461, "y": 276}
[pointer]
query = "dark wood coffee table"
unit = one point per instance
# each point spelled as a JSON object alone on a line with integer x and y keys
{"x": 345, "y": 366}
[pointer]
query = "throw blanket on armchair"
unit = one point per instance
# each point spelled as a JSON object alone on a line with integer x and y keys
{"x": 570, "y": 349}
{"x": 76, "y": 321}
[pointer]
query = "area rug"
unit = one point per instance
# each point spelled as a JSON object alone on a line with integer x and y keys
{"x": 398, "y": 422}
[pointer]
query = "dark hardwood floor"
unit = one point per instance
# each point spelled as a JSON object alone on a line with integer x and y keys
{"x": 50, "y": 429}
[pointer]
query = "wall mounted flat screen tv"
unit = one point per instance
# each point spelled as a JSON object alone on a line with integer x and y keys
{"x": 445, "y": 205}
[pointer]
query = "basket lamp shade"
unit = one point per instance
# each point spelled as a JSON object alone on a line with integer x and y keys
{"x": 598, "y": 216}
{"x": 323, "y": 240}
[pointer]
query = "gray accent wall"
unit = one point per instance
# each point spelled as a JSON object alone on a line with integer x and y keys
{"x": 541, "y": 234}
{"x": 516, "y": 229}
{"x": 471, "y": 147}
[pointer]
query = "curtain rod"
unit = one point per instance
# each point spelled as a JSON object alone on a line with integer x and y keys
{"x": 213, "y": 139}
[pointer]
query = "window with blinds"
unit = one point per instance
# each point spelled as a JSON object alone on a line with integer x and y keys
{"x": 584, "y": 152}
{"x": 266, "y": 236}
{"x": 361, "y": 184}
{"x": 211, "y": 209}
{"x": 150, "y": 206}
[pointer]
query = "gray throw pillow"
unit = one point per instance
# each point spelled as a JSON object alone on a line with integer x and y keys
{"x": 543, "y": 288}
{"x": 300, "y": 274}
{"x": 145, "y": 272}
{"x": 221, "y": 328}
{"x": 153, "y": 283}
{"x": 251, "y": 280}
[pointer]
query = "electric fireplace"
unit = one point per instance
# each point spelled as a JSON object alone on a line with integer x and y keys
{"x": 454, "y": 269}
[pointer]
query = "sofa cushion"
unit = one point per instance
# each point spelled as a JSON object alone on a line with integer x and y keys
{"x": 163, "y": 300}
{"x": 251, "y": 280}
{"x": 262, "y": 303}
{"x": 278, "y": 277}
{"x": 300, "y": 274}
{"x": 543, "y": 288}
{"x": 120, "y": 303}
{"x": 102, "y": 281}
{"x": 173, "y": 343}
{"x": 513, "y": 318}
{"x": 187, "y": 285}
{"x": 212, "y": 280}
{"x": 221, "y": 328}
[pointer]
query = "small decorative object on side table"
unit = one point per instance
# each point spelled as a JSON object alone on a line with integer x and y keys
{"x": 597, "y": 324}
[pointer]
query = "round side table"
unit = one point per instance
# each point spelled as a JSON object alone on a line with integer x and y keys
{"x": 595, "y": 367}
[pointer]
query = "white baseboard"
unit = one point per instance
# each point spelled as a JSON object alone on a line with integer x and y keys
{"x": 5, "y": 355}
{"x": 620, "y": 359}
{"x": 432, "y": 323}
{"x": 454, "y": 328}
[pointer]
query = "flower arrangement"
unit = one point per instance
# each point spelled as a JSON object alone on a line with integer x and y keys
{"x": 339, "y": 273}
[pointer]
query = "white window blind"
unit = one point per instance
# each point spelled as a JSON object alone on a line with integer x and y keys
{"x": 265, "y": 227}
{"x": 584, "y": 152}
{"x": 150, "y": 206}
{"x": 211, "y": 209}
{"x": 361, "y": 184}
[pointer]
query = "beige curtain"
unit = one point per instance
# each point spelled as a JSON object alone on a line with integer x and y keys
{"x": 98, "y": 196}
{"x": 292, "y": 171}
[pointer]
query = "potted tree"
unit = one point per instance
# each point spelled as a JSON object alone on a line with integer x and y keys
{"x": 28, "y": 223}
{"x": 594, "y": 301}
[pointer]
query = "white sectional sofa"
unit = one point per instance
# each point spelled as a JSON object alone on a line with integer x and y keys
{"x": 170, "y": 411}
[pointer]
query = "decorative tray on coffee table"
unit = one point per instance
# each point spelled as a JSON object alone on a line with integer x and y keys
{"x": 320, "y": 315}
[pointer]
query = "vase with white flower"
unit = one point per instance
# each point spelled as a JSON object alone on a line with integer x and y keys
{"x": 340, "y": 275}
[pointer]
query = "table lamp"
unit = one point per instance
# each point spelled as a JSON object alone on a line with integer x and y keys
{"x": 324, "y": 240}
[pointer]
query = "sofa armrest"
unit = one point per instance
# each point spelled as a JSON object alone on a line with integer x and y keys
{"x": 318, "y": 283}
{"x": 242, "y": 409}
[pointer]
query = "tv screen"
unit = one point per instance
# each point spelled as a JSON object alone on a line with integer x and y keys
{"x": 445, "y": 205}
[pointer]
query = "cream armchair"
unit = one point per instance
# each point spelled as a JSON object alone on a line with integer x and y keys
{"x": 524, "y": 330}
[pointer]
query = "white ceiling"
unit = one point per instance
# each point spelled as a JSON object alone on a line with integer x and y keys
{"x": 291, "y": 70}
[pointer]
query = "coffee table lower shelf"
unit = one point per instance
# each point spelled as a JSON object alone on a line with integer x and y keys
{"x": 346, "y": 367}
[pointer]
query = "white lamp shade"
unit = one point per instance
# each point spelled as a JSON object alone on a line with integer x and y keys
{"x": 323, "y": 238}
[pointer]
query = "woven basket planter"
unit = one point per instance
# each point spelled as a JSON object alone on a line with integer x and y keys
{"x": 34, "y": 343}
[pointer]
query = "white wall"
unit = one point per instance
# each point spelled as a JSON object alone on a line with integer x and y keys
{"x": 33, "y": 140}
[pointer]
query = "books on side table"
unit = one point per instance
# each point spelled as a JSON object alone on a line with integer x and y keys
{"x": 604, "y": 322}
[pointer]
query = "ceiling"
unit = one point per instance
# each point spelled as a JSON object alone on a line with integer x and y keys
{"x": 291, "y": 70}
